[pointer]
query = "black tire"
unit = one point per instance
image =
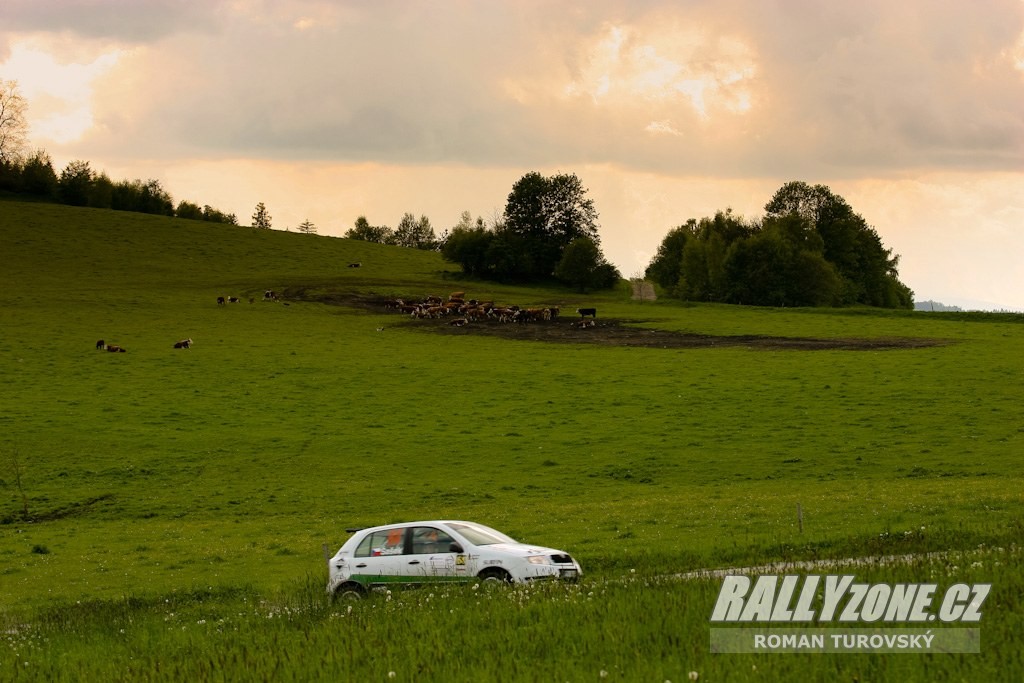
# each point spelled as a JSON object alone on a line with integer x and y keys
{"x": 350, "y": 591}
{"x": 492, "y": 577}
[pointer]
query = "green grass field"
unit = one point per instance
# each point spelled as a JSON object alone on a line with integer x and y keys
{"x": 164, "y": 512}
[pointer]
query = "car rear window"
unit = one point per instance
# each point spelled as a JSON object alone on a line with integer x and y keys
{"x": 384, "y": 542}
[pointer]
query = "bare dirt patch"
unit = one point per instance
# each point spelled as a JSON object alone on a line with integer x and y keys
{"x": 624, "y": 332}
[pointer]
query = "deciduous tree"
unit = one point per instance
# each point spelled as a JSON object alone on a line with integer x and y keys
{"x": 542, "y": 216}
{"x": 415, "y": 234}
{"x": 13, "y": 124}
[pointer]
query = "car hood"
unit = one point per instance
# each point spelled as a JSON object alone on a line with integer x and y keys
{"x": 521, "y": 549}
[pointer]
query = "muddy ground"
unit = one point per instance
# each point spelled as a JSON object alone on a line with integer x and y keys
{"x": 622, "y": 332}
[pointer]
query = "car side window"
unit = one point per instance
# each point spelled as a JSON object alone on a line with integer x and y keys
{"x": 386, "y": 542}
{"x": 428, "y": 539}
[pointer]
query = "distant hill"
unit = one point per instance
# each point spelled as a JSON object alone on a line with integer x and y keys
{"x": 935, "y": 306}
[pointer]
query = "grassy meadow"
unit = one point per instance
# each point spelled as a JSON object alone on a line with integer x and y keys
{"x": 163, "y": 513}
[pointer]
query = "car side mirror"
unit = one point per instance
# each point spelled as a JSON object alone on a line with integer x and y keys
{"x": 455, "y": 548}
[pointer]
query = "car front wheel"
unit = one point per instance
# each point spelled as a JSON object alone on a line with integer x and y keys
{"x": 493, "y": 577}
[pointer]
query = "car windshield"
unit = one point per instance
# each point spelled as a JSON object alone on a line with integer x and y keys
{"x": 481, "y": 535}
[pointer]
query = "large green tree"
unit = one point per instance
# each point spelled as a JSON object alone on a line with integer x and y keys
{"x": 542, "y": 216}
{"x": 867, "y": 270}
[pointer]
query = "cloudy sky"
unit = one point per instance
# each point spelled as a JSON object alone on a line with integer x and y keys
{"x": 666, "y": 109}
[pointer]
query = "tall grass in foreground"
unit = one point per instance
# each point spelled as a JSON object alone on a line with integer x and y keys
{"x": 635, "y": 628}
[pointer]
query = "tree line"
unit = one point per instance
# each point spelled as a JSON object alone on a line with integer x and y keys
{"x": 810, "y": 249}
{"x": 79, "y": 185}
{"x": 548, "y": 231}
{"x": 33, "y": 175}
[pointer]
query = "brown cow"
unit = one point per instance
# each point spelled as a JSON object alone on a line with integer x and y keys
{"x": 100, "y": 345}
{"x": 113, "y": 348}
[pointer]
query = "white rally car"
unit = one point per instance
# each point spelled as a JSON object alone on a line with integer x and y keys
{"x": 440, "y": 551}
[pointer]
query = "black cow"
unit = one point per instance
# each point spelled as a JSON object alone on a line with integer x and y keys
{"x": 587, "y": 311}
{"x": 100, "y": 345}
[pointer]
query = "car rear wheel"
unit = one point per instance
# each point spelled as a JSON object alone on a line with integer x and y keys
{"x": 350, "y": 592}
{"x": 494, "y": 577}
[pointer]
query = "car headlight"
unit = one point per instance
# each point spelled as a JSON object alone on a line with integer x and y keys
{"x": 538, "y": 559}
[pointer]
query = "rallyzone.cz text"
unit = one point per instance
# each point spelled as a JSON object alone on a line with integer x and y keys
{"x": 821, "y": 597}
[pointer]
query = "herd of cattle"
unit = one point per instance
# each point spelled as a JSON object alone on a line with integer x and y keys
{"x": 464, "y": 311}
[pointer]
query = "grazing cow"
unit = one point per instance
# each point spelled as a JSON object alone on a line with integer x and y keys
{"x": 456, "y": 295}
{"x": 587, "y": 311}
{"x": 270, "y": 295}
{"x": 220, "y": 301}
{"x": 233, "y": 299}
{"x": 183, "y": 344}
{"x": 434, "y": 300}
{"x": 355, "y": 265}
{"x": 114, "y": 348}
{"x": 100, "y": 345}
{"x": 459, "y": 322}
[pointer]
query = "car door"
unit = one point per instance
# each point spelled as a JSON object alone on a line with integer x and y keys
{"x": 378, "y": 559}
{"x": 431, "y": 556}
